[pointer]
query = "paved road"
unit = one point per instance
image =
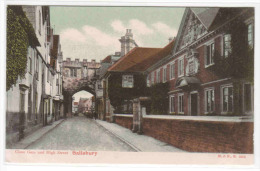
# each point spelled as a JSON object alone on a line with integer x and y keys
{"x": 80, "y": 133}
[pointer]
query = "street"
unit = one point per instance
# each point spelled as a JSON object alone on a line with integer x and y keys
{"x": 80, "y": 133}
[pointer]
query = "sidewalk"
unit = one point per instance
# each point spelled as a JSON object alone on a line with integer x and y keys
{"x": 28, "y": 140}
{"x": 138, "y": 142}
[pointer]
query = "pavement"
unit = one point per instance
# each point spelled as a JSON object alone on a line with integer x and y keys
{"x": 81, "y": 133}
{"x": 138, "y": 142}
{"x": 33, "y": 137}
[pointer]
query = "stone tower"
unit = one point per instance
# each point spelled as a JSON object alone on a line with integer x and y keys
{"x": 127, "y": 42}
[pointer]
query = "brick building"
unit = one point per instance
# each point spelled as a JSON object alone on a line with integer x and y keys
{"x": 196, "y": 88}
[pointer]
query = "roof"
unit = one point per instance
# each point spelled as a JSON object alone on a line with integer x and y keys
{"x": 133, "y": 60}
{"x": 164, "y": 52}
{"x": 206, "y": 15}
{"x": 107, "y": 59}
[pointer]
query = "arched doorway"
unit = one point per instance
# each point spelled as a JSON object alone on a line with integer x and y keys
{"x": 82, "y": 103}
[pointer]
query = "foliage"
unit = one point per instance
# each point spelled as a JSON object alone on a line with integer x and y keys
{"x": 20, "y": 34}
{"x": 117, "y": 94}
{"x": 240, "y": 62}
{"x": 159, "y": 98}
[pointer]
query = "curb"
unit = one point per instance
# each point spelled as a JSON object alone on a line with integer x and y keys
{"x": 44, "y": 134}
{"x": 120, "y": 138}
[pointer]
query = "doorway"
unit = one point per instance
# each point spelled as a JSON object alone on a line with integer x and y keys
{"x": 194, "y": 104}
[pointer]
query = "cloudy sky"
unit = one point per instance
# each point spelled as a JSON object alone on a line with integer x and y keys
{"x": 93, "y": 32}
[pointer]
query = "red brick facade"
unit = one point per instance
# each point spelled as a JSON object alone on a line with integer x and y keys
{"x": 202, "y": 136}
{"x": 126, "y": 122}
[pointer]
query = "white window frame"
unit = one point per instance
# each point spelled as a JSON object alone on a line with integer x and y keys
{"x": 127, "y": 79}
{"x": 171, "y": 108}
{"x": 181, "y": 112}
{"x": 148, "y": 83}
{"x": 172, "y": 75}
{"x": 221, "y": 96}
{"x": 158, "y": 76}
{"x": 181, "y": 67}
{"x": 224, "y": 49}
{"x": 164, "y": 74}
{"x": 252, "y": 35}
{"x": 152, "y": 77}
{"x": 205, "y": 100}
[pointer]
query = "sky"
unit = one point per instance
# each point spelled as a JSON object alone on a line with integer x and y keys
{"x": 94, "y": 32}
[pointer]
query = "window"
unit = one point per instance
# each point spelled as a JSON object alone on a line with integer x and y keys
{"x": 172, "y": 103}
{"x": 48, "y": 75}
{"x": 210, "y": 54}
{"x": 227, "y": 99}
{"x": 73, "y": 72}
{"x": 172, "y": 71}
{"x": 181, "y": 67}
{"x": 37, "y": 67}
{"x": 164, "y": 74}
{"x": 29, "y": 103}
{"x": 248, "y": 105}
{"x": 180, "y": 104}
{"x": 250, "y": 35}
{"x": 147, "y": 81}
{"x": 209, "y": 100}
{"x": 152, "y": 78}
{"x": 158, "y": 79}
{"x": 40, "y": 20}
{"x": 127, "y": 81}
{"x": 227, "y": 45}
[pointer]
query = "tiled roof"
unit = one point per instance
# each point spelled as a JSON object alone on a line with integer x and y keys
{"x": 139, "y": 59}
{"x": 107, "y": 59}
{"x": 136, "y": 56}
{"x": 164, "y": 52}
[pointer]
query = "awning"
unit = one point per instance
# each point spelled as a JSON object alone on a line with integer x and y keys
{"x": 184, "y": 82}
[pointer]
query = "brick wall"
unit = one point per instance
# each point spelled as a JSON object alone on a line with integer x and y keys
{"x": 202, "y": 136}
{"x": 124, "y": 121}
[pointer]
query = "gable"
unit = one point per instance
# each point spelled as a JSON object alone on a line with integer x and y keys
{"x": 190, "y": 29}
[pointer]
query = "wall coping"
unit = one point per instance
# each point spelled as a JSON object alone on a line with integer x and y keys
{"x": 204, "y": 118}
{"x": 124, "y": 115}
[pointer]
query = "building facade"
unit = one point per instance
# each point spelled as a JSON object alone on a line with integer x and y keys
{"x": 29, "y": 103}
{"x": 204, "y": 44}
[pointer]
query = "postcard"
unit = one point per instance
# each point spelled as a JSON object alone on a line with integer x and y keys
{"x": 167, "y": 85}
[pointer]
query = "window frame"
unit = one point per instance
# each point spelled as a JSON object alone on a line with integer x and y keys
{"x": 164, "y": 74}
{"x": 172, "y": 68}
{"x": 222, "y": 96}
{"x": 182, "y": 106}
{"x": 252, "y": 34}
{"x": 158, "y": 75}
{"x": 224, "y": 45}
{"x": 213, "y": 108}
{"x": 172, "y": 108}
{"x": 181, "y": 67}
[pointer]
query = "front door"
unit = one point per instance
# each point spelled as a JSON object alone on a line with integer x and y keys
{"x": 194, "y": 104}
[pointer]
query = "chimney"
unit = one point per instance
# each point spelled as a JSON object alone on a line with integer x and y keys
{"x": 68, "y": 59}
{"x": 93, "y": 61}
{"x": 77, "y": 60}
{"x": 85, "y": 60}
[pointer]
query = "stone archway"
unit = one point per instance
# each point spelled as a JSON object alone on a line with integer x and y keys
{"x": 77, "y": 76}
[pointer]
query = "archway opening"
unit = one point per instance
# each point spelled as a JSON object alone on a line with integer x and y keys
{"x": 83, "y": 104}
